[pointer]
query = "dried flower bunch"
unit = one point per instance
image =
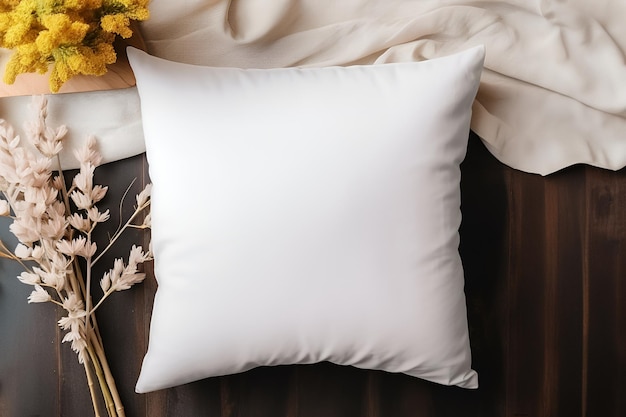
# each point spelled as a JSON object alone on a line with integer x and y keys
{"x": 75, "y": 36}
{"x": 54, "y": 226}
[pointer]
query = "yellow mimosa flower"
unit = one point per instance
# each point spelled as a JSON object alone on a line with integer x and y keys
{"x": 73, "y": 36}
{"x": 117, "y": 23}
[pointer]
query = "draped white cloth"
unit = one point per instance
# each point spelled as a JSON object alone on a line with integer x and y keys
{"x": 553, "y": 92}
{"x": 113, "y": 117}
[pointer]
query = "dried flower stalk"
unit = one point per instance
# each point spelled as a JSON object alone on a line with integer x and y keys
{"x": 54, "y": 226}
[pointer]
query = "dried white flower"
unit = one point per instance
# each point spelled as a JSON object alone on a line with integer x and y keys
{"x": 73, "y": 303}
{"x": 144, "y": 195}
{"x": 38, "y": 252}
{"x": 48, "y": 141}
{"x": 60, "y": 133}
{"x": 73, "y": 247}
{"x": 56, "y": 259}
{"x": 57, "y": 183}
{"x": 39, "y": 295}
{"x": 29, "y": 278}
{"x": 89, "y": 154}
{"x": 105, "y": 282}
{"x": 23, "y": 251}
{"x": 122, "y": 277}
{"x": 40, "y": 172}
{"x": 75, "y": 323}
{"x": 51, "y": 236}
{"x": 5, "y": 208}
{"x": 89, "y": 250}
{"x": 4, "y": 184}
{"x": 82, "y": 201}
{"x": 51, "y": 144}
{"x": 40, "y": 198}
{"x": 137, "y": 256}
{"x": 98, "y": 192}
{"x": 25, "y": 229}
{"x": 147, "y": 221}
{"x": 54, "y": 228}
{"x": 79, "y": 222}
{"x": 73, "y": 320}
{"x": 6, "y": 133}
{"x": 97, "y": 217}
{"x": 78, "y": 343}
{"x": 56, "y": 209}
{"x": 52, "y": 278}
{"x": 84, "y": 179}
{"x": 39, "y": 104}
{"x": 71, "y": 336}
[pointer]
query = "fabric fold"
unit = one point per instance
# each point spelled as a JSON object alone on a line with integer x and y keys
{"x": 549, "y": 95}
{"x": 113, "y": 117}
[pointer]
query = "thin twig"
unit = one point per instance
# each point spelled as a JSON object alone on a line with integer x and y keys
{"x": 104, "y": 386}
{"x": 92, "y": 392}
{"x": 88, "y": 286}
{"x": 104, "y": 297}
{"x": 121, "y": 214}
{"x": 120, "y": 231}
{"x": 110, "y": 381}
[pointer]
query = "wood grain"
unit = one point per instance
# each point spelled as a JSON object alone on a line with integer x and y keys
{"x": 545, "y": 267}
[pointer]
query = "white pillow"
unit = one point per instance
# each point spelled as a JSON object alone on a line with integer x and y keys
{"x": 307, "y": 215}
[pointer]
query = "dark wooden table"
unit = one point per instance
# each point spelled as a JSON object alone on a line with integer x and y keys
{"x": 545, "y": 261}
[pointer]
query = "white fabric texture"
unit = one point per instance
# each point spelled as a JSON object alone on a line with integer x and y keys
{"x": 113, "y": 117}
{"x": 550, "y": 94}
{"x": 307, "y": 215}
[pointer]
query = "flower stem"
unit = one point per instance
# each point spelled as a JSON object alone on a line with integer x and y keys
{"x": 88, "y": 290}
{"x": 92, "y": 392}
{"x": 104, "y": 297}
{"x": 120, "y": 231}
{"x": 102, "y": 380}
{"x": 110, "y": 381}
{"x": 75, "y": 274}
{"x": 64, "y": 193}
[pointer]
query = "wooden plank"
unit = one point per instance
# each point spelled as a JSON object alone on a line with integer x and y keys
{"x": 262, "y": 392}
{"x": 401, "y": 395}
{"x": 196, "y": 399}
{"x": 565, "y": 237}
{"x": 545, "y": 294}
{"x": 524, "y": 292}
{"x": 38, "y": 350}
{"x": 544, "y": 263}
{"x": 29, "y": 346}
{"x": 484, "y": 250}
{"x": 606, "y": 335}
{"x": 331, "y": 390}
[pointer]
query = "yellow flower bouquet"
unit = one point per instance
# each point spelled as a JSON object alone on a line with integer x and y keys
{"x": 71, "y": 36}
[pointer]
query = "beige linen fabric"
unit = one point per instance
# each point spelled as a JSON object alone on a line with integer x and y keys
{"x": 553, "y": 92}
{"x": 112, "y": 116}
